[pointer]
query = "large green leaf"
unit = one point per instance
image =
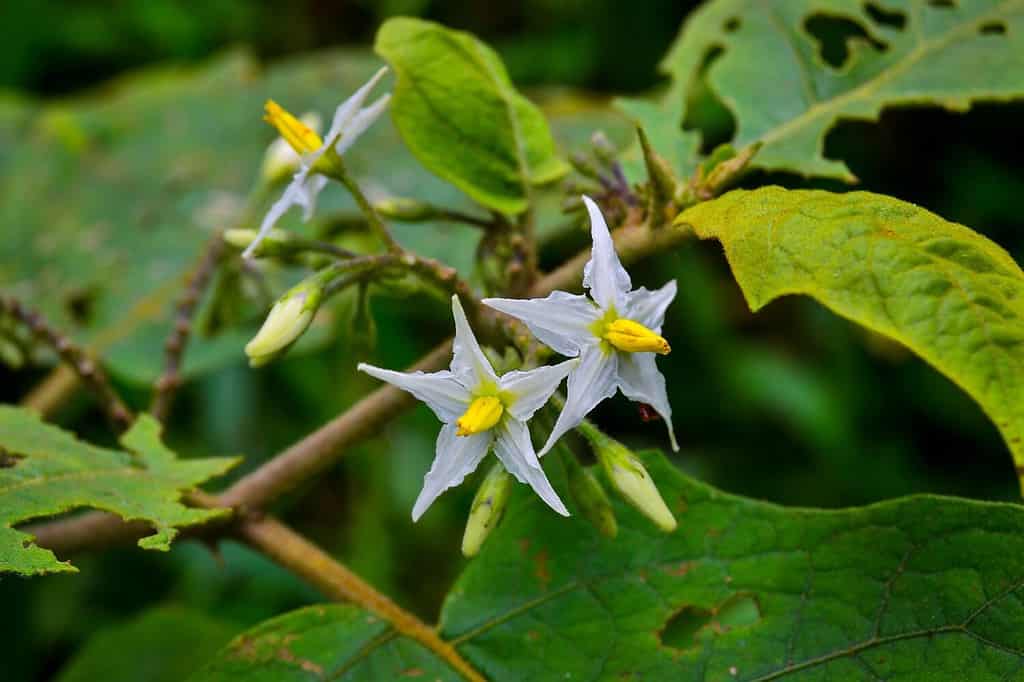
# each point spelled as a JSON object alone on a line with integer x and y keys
{"x": 950, "y": 295}
{"x": 917, "y": 588}
{"x": 164, "y": 644}
{"x": 461, "y": 116}
{"x": 767, "y": 68}
{"x": 108, "y": 199}
{"x": 46, "y": 471}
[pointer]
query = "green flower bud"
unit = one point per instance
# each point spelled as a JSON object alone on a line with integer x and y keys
{"x": 629, "y": 477}
{"x": 590, "y": 497}
{"x": 406, "y": 210}
{"x": 276, "y": 243}
{"x": 487, "y": 510}
{"x": 288, "y": 319}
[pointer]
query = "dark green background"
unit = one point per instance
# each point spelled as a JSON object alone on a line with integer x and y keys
{"x": 793, "y": 405}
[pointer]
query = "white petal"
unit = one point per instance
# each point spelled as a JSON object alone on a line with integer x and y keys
{"x": 441, "y": 391}
{"x": 359, "y": 123}
{"x": 561, "y": 321}
{"x": 346, "y": 111}
{"x": 648, "y": 307}
{"x": 457, "y": 456}
{"x": 307, "y": 197}
{"x": 640, "y": 380}
{"x": 603, "y": 274}
{"x": 533, "y": 388}
{"x": 514, "y": 448}
{"x": 593, "y": 380}
{"x": 469, "y": 363}
{"x": 302, "y": 192}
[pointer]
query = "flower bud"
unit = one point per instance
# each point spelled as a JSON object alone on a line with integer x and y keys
{"x": 275, "y": 243}
{"x": 590, "y": 497}
{"x": 406, "y": 210}
{"x": 487, "y": 510}
{"x": 288, "y": 319}
{"x": 628, "y": 475}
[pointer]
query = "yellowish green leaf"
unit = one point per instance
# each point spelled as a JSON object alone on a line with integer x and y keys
{"x": 943, "y": 290}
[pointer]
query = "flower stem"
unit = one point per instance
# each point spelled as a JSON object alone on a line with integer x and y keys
{"x": 340, "y": 173}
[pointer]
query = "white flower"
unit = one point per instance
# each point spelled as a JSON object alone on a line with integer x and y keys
{"x": 480, "y": 410}
{"x": 616, "y": 335}
{"x": 350, "y": 121}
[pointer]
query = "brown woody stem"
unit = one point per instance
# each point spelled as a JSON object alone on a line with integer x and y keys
{"x": 84, "y": 367}
{"x": 174, "y": 348}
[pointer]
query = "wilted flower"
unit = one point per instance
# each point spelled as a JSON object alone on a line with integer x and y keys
{"x": 616, "y": 332}
{"x": 351, "y": 119}
{"x": 480, "y": 410}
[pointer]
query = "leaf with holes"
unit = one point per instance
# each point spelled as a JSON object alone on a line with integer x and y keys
{"x": 947, "y": 293}
{"x": 786, "y": 90}
{"x": 46, "y": 471}
{"x": 743, "y": 590}
{"x": 460, "y": 115}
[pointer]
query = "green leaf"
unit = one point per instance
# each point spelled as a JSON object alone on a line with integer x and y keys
{"x": 459, "y": 113}
{"x": 164, "y": 644}
{"x": 46, "y": 471}
{"x": 947, "y": 293}
{"x": 761, "y": 60}
{"x": 743, "y": 590}
{"x": 336, "y": 642}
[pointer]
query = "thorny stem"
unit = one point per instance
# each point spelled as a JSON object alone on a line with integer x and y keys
{"x": 84, "y": 367}
{"x": 174, "y": 348}
{"x": 323, "y": 447}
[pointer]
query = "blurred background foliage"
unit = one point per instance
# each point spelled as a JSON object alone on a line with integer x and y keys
{"x": 793, "y": 405}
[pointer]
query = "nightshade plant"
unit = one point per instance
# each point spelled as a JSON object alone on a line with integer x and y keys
{"x": 666, "y": 578}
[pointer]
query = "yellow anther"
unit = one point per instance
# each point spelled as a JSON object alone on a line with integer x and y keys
{"x": 483, "y": 413}
{"x": 301, "y": 137}
{"x": 633, "y": 337}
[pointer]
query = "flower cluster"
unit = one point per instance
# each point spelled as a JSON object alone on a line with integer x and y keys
{"x": 613, "y": 337}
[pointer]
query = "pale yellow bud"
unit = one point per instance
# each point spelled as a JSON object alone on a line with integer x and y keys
{"x": 630, "y": 478}
{"x": 487, "y": 510}
{"x": 286, "y": 322}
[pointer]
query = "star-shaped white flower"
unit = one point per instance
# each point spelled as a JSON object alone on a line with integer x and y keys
{"x": 615, "y": 332}
{"x": 480, "y": 410}
{"x": 351, "y": 119}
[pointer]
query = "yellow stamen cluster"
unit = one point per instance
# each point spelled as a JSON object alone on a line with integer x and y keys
{"x": 301, "y": 137}
{"x": 482, "y": 414}
{"x": 633, "y": 337}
